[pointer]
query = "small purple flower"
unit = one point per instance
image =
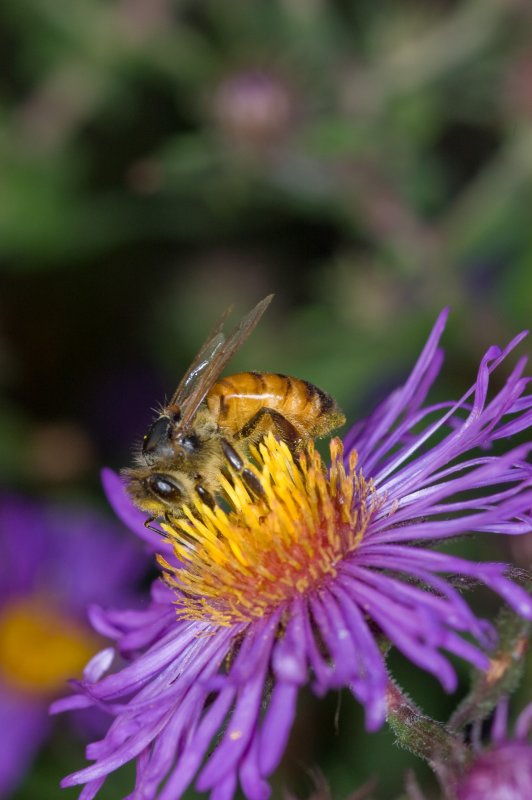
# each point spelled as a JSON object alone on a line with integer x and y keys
{"x": 301, "y": 587}
{"x": 503, "y": 770}
{"x": 254, "y": 108}
{"x": 53, "y": 562}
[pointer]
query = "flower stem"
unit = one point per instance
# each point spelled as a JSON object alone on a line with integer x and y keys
{"x": 503, "y": 675}
{"x": 423, "y": 736}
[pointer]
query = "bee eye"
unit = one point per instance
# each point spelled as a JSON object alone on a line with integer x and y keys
{"x": 164, "y": 488}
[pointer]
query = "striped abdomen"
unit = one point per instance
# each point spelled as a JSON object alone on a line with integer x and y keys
{"x": 235, "y": 400}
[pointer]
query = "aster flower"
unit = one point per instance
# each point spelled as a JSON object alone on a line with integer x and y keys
{"x": 50, "y": 569}
{"x": 503, "y": 769}
{"x": 301, "y": 588}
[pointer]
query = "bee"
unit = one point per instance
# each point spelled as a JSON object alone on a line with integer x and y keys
{"x": 210, "y": 422}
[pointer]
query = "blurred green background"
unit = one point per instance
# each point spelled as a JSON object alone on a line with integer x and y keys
{"x": 162, "y": 159}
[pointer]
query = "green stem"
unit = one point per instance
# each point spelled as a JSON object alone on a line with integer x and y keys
{"x": 423, "y": 736}
{"x": 503, "y": 675}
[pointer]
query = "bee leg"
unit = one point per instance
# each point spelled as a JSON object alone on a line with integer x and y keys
{"x": 232, "y": 456}
{"x": 253, "y": 483}
{"x": 205, "y": 496}
{"x": 282, "y": 427}
{"x": 171, "y": 520}
{"x": 150, "y": 527}
{"x": 249, "y": 478}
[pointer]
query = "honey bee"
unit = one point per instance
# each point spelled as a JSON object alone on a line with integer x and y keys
{"x": 210, "y": 422}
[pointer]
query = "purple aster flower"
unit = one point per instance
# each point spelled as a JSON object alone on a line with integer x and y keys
{"x": 503, "y": 770}
{"x": 50, "y": 569}
{"x": 301, "y": 587}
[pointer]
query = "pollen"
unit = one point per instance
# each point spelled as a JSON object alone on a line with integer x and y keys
{"x": 259, "y": 555}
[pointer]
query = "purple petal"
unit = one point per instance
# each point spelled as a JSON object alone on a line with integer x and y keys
{"x": 192, "y": 756}
{"x": 99, "y": 664}
{"x": 25, "y": 726}
{"x": 288, "y": 661}
{"x": 90, "y": 790}
{"x": 225, "y": 789}
{"x": 244, "y": 718}
{"x": 373, "y": 676}
{"x": 499, "y": 729}
{"x": 524, "y": 722}
{"x": 415, "y": 634}
{"x": 276, "y": 726}
{"x": 253, "y": 784}
{"x": 120, "y": 755}
{"x": 424, "y": 372}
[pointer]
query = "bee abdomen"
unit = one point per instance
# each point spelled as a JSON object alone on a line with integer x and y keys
{"x": 235, "y": 400}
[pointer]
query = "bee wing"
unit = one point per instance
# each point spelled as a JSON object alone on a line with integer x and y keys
{"x": 207, "y": 352}
{"x": 211, "y": 360}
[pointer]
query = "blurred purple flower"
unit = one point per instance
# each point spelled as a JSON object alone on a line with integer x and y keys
{"x": 299, "y": 589}
{"x": 53, "y": 563}
{"x": 255, "y": 108}
{"x": 503, "y": 770}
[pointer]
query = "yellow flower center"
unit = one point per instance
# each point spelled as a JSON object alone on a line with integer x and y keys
{"x": 241, "y": 564}
{"x": 40, "y": 648}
